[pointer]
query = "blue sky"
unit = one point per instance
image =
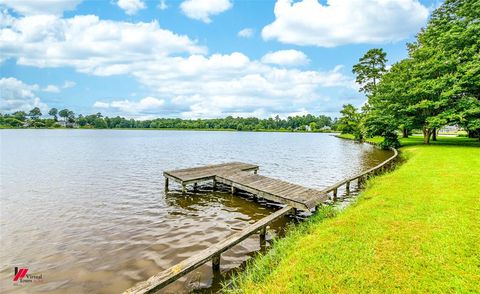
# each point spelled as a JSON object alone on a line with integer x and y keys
{"x": 195, "y": 58}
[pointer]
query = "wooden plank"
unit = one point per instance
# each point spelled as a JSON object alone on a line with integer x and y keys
{"x": 189, "y": 174}
{"x": 164, "y": 278}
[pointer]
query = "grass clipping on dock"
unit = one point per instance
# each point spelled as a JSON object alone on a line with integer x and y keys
{"x": 416, "y": 229}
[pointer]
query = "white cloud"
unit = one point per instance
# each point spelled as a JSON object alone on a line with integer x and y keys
{"x": 233, "y": 84}
{"x": 342, "y": 22}
{"x": 246, "y": 33}
{"x": 100, "y": 104}
{"x": 19, "y": 96}
{"x": 145, "y": 105}
{"x": 286, "y": 57}
{"x": 35, "y": 7}
{"x": 203, "y": 9}
{"x": 51, "y": 89}
{"x": 131, "y": 7}
{"x": 69, "y": 84}
{"x": 162, "y": 5}
{"x": 91, "y": 45}
{"x": 170, "y": 66}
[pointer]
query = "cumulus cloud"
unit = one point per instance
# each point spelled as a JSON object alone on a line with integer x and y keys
{"x": 145, "y": 105}
{"x": 19, "y": 96}
{"x": 220, "y": 85}
{"x": 51, "y": 89}
{"x": 246, "y": 33}
{"x": 91, "y": 45}
{"x": 69, "y": 84}
{"x": 286, "y": 57}
{"x": 35, "y": 7}
{"x": 340, "y": 22}
{"x": 162, "y": 5}
{"x": 131, "y": 7}
{"x": 203, "y": 9}
{"x": 172, "y": 67}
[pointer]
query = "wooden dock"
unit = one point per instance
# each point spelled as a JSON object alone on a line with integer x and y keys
{"x": 239, "y": 176}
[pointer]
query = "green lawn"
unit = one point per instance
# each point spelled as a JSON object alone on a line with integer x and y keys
{"x": 416, "y": 229}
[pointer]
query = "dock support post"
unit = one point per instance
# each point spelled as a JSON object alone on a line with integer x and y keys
{"x": 216, "y": 263}
{"x": 184, "y": 188}
{"x": 335, "y": 192}
{"x": 214, "y": 185}
{"x": 255, "y": 171}
{"x": 347, "y": 187}
{"x": 195, "y": 187}
{"x": 233, "y": 190}
{"x": 263, "y": 234}
{"x": 166, "y": 184}
{"x": 360, "y": 182}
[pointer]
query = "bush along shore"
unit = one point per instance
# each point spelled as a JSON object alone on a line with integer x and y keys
{"x": 414, "y": 229}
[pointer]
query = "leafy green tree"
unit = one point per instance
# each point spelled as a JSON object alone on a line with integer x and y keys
{"x": 35, "y": 113}
{"x": 54, "y": 112}
{"x": 71, "y": 116}
{"x": 64, "y": 114}
{"x": 370, "y": 69}
{"x": 351, "y": 122}
{"x": 100, "y": 123}
{"x": 20, "y": 115}
{"x": 13, "y": 122}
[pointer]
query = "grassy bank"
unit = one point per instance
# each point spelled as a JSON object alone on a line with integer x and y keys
{"x": 415, "y": 229}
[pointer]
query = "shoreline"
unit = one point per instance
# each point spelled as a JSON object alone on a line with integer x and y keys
{"x": 353, "y": 249}
{"x": 174, "y": 129}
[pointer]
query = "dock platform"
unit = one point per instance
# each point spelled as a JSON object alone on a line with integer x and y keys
{"x": 239, "y": 176}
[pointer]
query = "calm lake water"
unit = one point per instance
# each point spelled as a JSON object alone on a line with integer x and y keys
{"x": 87, "y": 209}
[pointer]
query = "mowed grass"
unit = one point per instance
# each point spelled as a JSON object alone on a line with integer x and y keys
{"x": 416, "y": 229}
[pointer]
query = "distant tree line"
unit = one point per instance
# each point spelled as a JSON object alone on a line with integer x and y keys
{"x": 67, "y": 118}
{"x": 438, "y": 84}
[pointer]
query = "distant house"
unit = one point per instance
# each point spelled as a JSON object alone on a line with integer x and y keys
{"x": 308, "y": 128}
{"x": 450, "y": 129}
{"x": 67, "y": 124}
{"x": 326, "y": 128}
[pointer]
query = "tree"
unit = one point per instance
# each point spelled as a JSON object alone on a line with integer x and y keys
{"x": 439, "y": 83}
{"x": 35, "y": 113}
{"x": 71, "y": 116}
{"x": 19, "y": 115}
{"x": 351, "y": 122}
{"x": 54, "y": 112}
{"x": 370, "y": 69}
{"x": 64, "y": 113}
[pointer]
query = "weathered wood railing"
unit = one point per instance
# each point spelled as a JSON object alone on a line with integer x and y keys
{"x": 360, "y": 178}
{"x": 213, "y": 253}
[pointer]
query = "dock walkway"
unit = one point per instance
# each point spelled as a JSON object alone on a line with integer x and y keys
{"x": 239, "y": 176}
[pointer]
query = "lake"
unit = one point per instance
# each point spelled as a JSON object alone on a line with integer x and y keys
{"x": 87, "y": 209}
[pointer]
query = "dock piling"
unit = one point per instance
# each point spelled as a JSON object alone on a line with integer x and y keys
{"x": 263, "y": 235}
{"x": 166, "y": 184}
{"x": 216, "y": 263}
